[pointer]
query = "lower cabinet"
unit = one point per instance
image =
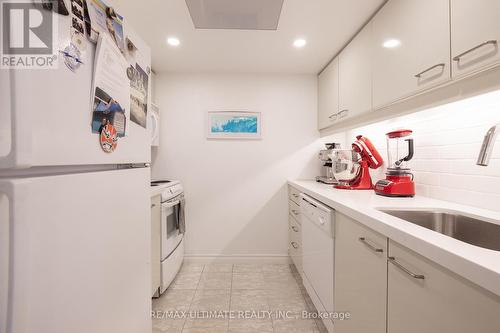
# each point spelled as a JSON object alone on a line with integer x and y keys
{"x": 387, "y": 288}
{"x": 360, "y": 277}
{"x": 295, "y": 243}
{"x": 425, "y": 297}
{"x": 294, "y": 228}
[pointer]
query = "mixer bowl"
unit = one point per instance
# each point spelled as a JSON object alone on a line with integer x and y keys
{"x": 345, "y": 165}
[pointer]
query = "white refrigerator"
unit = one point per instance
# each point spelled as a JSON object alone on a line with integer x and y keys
{"x": 74, "y": 220}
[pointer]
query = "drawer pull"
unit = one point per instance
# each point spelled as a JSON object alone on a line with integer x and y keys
{"x": 295, "y": 245}
{"x": 333, "y": 117}
{"x": 343, "y": 113}
{"x": 374, "y": 248}
{"x": 296, "y": 212}
{"x": 488, "y": 42}
{"x": 404, "y": 269}
{"x": 295, "y": 195}
{"x": 419, "y": 75}
{"x": 294, "y": 228}
{"x": 153, "y": 205}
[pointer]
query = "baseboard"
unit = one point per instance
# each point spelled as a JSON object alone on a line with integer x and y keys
{"x": 238, "y": 259}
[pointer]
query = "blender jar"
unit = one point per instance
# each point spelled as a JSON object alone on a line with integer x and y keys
{"x": 399, "y": 151}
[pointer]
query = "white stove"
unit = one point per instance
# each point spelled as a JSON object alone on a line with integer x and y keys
{"x": 172, "y": 231}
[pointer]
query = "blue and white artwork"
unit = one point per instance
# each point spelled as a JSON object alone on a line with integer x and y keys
{"x": 234, "y": 125}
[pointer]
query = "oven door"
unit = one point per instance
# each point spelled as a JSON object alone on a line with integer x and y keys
{"x": 170, "y": 235}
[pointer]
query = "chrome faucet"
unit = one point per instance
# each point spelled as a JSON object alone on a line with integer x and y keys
{"x": 487, "y": 147}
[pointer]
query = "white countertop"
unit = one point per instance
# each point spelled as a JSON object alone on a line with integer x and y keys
{"x": 479, "y": 265}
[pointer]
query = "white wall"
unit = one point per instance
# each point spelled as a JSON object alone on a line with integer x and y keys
{"x": 447, "y": 142}
{"x": 236, "y": 190}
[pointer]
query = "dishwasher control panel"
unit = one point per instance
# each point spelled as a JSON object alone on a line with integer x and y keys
{"x": 318, "y": 213}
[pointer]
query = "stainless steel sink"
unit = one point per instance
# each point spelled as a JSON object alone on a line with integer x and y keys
{"x": 453, "y": 224}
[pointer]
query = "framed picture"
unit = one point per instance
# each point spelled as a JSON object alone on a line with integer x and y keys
{"x": 234, "y": 125}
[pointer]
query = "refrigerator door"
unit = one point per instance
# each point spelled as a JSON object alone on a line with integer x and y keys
{"x": 49, "y": 112}
{"x": 79, "y": 253}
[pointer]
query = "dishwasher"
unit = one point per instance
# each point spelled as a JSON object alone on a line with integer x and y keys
{"x": 318, "y": 229}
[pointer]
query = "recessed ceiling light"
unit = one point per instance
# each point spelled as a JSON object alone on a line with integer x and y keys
{"x": 173, "y": 41}
{"x": 391, "y": 43}
{"x": 298, "y": 43}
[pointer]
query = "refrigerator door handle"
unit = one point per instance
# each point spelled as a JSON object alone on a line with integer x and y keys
{"x": 19, "y": 156}
{"x": 6, "y": 188}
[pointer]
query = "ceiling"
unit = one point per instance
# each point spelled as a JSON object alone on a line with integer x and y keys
{"x": 326, "y": 25}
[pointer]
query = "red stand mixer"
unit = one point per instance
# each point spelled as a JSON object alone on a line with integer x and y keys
{"x": 356, "y": 175}
{"x": 399, "y": 179}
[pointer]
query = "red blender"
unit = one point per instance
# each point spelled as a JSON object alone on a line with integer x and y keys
{"x": 355, "y": 175}
{"x": 399, "y": 179}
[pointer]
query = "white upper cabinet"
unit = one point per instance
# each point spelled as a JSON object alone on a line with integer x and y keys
{"x": 475, "y": 34}
{"x": 355, "y": 75}
{"x": 328, "y": 95}
{"x": 411, "y": 48}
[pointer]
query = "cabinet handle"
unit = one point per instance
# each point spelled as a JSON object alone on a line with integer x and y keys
{"x": 404, "y": 269}
{"x": 294, "y": 228}
{"x": 294, "y": 245}
{"x": 295, "y": 195}
{"x": 153, "y": 205}
{"x": 333, "y": 117}
{"x": 488, "y": 42}
{"x": 374, "y": 248}
{"x": 343, "y": 113}
{"x": 419, "y": 75}
{"x": 296, "y": 212}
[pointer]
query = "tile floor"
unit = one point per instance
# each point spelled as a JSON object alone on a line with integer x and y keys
{"x": 236, "y": 298}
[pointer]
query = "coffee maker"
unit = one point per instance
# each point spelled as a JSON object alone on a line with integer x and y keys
{"x": 327, "y": 169}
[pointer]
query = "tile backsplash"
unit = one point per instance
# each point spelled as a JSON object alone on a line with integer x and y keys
{"x": 447, "y": 143}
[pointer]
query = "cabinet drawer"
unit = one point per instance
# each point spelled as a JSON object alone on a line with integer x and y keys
{"x": 294, "y": 195}
{"x": 294, "y": 210}
{"x": 295, "y": 244}
{"x": 295, "y": 230}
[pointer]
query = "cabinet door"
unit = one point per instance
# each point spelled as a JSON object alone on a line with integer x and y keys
{"x": 437, "y": 301}
{"x": 355, "y": 76}
{"x": 360, "y": 277}
{"x": 475, "y": 33}
{"x": 328, "y": 95}
{"x": 155, "y": 243}
{"x": 411, "y": 48}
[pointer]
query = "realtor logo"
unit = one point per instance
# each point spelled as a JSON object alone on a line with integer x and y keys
{"x": 28, "y": 35}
